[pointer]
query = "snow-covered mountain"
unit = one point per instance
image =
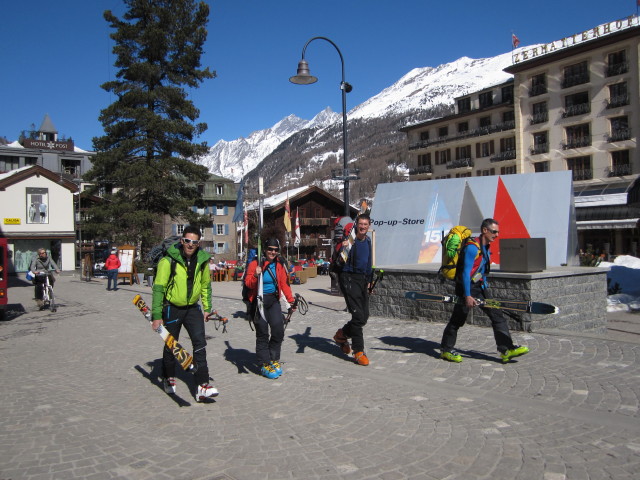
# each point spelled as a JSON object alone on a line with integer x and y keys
{"x": 419, "y": 90}
{"x": 427, "y": 87}
{"x": 236, "y": 158}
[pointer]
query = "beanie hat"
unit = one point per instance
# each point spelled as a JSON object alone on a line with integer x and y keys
{"x": 272, "y": 242}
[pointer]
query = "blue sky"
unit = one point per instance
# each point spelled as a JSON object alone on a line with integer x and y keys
{"x": 55, "y": 55}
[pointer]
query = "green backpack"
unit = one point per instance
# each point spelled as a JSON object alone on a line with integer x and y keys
{"x": 452, "y": 244}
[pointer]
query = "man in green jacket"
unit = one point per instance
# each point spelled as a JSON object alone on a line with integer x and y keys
{"x": 182, "y": 278}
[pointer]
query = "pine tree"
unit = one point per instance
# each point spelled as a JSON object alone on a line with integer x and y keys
{"x": 144, "y": 165}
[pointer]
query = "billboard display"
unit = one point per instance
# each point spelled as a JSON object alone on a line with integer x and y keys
{"x": 410, "y": 218}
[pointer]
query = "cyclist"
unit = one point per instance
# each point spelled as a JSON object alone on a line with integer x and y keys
{"x": 41, "y": 266}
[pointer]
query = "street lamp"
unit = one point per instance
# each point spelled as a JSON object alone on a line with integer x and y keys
{"x": 303, "y": 77}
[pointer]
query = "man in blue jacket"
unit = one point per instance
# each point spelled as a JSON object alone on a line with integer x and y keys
{"x": 354, "y": 280}
{"x": 471, "y": 284}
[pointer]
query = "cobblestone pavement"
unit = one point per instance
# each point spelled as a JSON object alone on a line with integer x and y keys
{"x": 81, "y": 398}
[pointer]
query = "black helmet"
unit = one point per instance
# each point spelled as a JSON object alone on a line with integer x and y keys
{"x": 272, "y": 242}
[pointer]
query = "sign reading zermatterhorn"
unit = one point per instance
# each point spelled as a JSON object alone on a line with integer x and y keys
{"x": 410, "y": 218}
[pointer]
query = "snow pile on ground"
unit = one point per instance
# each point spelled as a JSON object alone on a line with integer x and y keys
{"x": 624, "y": 271}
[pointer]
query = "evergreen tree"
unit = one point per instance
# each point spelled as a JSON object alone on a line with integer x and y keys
{"x": 144, "y": 164}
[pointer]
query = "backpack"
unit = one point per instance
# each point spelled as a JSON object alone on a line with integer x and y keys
{"x": 159, "y": 251}
{"x": 337, "y": 261}
{"x": 453, "y": 243}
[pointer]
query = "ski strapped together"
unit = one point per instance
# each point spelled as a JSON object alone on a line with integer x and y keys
{"x": 184, "y": 358}
{"x": 524, "y": 306}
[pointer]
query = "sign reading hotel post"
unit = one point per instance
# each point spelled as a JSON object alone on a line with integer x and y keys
{"x": 12, "y": 221}
{"x": 410, "y": 218}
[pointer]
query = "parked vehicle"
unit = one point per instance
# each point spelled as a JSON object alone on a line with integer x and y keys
{"x": 4, "y": 274}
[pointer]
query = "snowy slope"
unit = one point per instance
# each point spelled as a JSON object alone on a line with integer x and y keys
{"x": 419, "y": 89}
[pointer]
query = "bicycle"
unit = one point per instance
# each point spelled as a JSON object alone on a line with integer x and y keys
{"x": 48, "y": 299}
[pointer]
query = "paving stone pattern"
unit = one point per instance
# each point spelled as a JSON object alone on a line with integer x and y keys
{"x": 81, "y": 398}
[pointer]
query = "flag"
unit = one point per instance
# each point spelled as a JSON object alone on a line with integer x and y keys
{"x": 296, "y": 240}
{"x": 237, "y": 217}
{"x": 246, "y": 228}
{"x": 287, "y": 215}
{"x": 515, "y": 41}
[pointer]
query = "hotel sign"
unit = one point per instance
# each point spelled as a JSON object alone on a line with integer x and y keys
{"x": 48, "y": 144}
{"x": 576, "y": 39}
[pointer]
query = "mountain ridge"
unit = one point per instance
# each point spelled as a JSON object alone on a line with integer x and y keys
{"x": 296, "y": 152}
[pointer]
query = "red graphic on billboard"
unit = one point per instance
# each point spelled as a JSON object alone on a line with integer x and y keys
{"x": 511, "y": 225}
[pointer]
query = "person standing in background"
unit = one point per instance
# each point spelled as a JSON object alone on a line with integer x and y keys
{"x": 111, "y": 266}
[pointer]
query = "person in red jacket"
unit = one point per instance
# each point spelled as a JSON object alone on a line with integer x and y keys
{"x": 275, "y": 284}
{"x": 112, "y": 265}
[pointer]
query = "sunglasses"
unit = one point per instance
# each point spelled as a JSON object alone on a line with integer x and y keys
{"x": 188, "y": 241}
{"x": 495, "y": 232}
{"x": 272, "y": 249}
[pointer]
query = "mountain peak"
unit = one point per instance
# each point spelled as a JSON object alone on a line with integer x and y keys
{"x": 420, "y": 90}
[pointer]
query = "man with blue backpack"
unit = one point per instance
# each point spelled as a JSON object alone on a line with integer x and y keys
{"x": 471, "y": 284}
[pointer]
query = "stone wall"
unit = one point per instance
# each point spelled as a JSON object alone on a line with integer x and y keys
{"x": 579, "y": 292}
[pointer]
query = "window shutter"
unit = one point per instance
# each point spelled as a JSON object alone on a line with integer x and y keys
{"x": 215, "y": 229}
{"x": 174, "y": 229}
{"x": 226, "y": 210}
{"x": 226, "y": 228}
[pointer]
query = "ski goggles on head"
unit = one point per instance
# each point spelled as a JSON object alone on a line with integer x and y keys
{"x": 188, "y": 241}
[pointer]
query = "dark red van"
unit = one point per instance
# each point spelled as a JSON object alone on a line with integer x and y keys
{"x": 4, "y": 276}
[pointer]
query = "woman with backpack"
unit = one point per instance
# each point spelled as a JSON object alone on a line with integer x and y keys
{"x": 275, "y": 284}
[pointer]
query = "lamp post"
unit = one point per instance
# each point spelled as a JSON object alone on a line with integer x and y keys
{"x": 304, "y": 77}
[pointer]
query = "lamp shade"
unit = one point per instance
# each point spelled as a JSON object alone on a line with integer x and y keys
{"x": 303, "y": 77}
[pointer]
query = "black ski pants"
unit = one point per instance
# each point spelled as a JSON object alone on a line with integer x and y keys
{"x": 459, "y": 317}
{"x": 192, "y": 318}
{"x": 268, "y": 347}
{"x": 356, "y": 296}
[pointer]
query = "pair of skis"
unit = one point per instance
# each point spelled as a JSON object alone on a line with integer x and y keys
{"x": 184, "y": 358}
{"x": 523, "y": 306}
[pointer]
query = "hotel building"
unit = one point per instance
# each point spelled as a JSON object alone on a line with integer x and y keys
{"x": 572, "y": 105}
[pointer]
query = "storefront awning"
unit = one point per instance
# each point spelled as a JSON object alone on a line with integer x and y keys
{"x": 607, "y": 224}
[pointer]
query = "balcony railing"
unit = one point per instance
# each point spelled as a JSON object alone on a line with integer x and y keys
{"x": 460, "y": 163}
{"x": 577, "y": 79}
{"x": 422, "y": 169}
{"x": 536, "y": 90}
{"x": 617, "y": 69}
{"x": 578, "y": 142}
{"x": 577, "y": 109}
{"x": 476, "y": 132}
{"x": 619, "y": 135}
{"x": 618, "y": 101}
{"x": 539, "y": 148}
{"x": 314, "y": 221}
{"x": 619, "y": 170}
{"x": 539, "y": 118}
{"x": 502, "y": 156}
{"x": 584, "y": 174}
